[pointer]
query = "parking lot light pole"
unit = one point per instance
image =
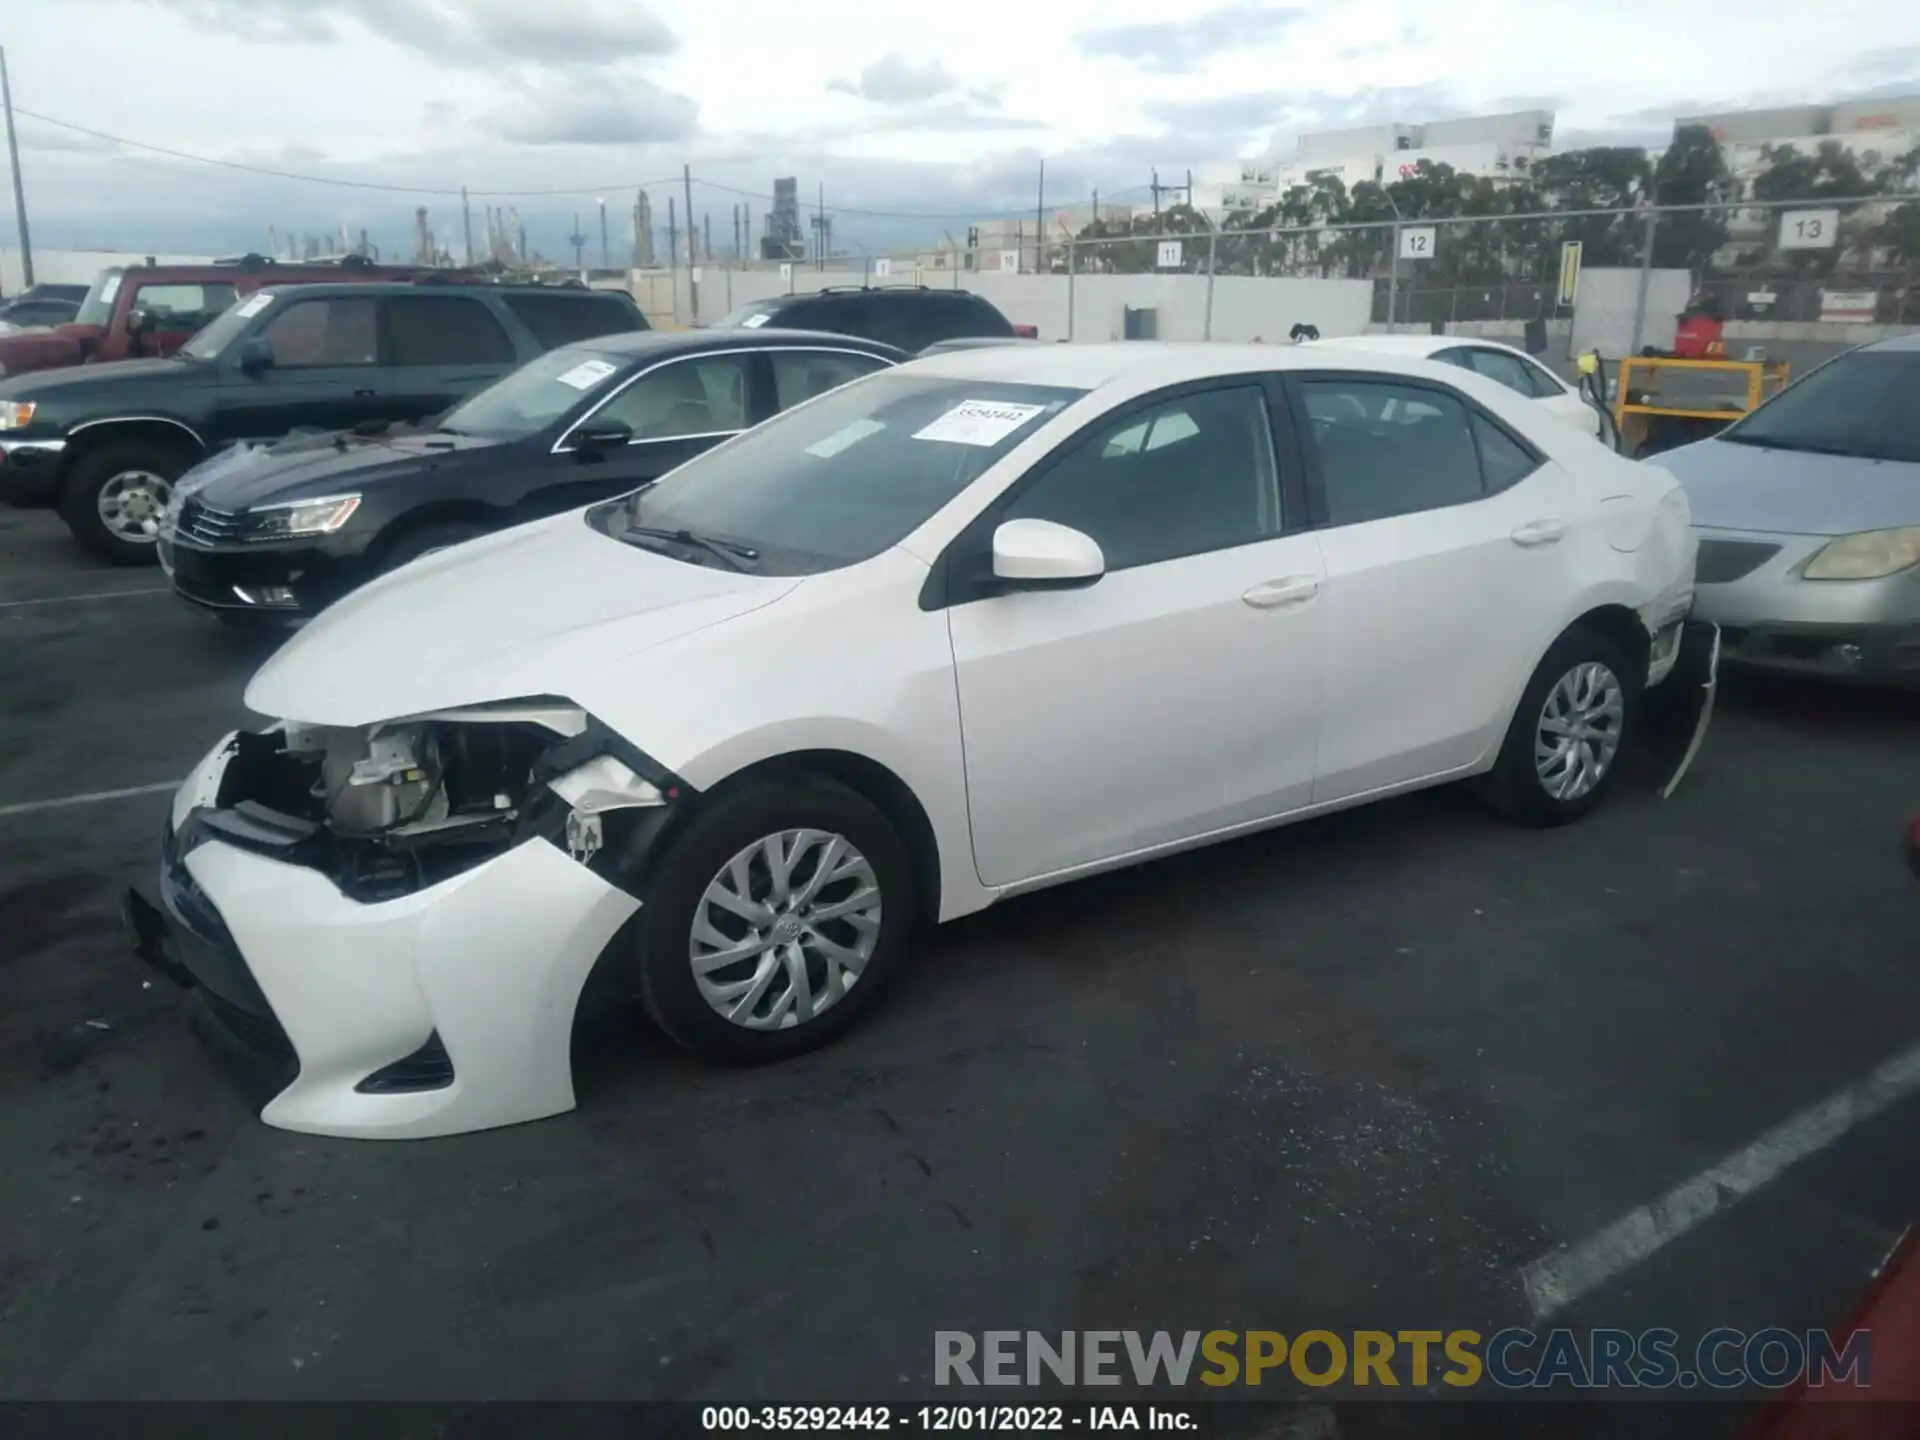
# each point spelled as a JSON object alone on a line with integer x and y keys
{"x": 19, "y": 189}
{"x": 1206, "y": 331}
{"x": 1646, "y": 282}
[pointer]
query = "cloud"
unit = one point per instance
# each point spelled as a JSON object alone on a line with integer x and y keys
{"x": 1179, "y": 47}
{"x": 894, "y": 79}
{"x": 634, "y": 112}
{"x": 36, "y": 136}
{"x": 470, "y": 33}
{"x": 1253, "y": 110}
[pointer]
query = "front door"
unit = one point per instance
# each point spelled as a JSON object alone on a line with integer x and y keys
{"x": 326, "y": 372}
{"x": 675, "y": 411}
{"x": 1445, "y": 580}
{"x": 1180, "y": 693}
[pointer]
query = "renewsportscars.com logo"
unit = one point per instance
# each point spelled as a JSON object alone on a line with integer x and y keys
{"x": 1512, "y": 1359}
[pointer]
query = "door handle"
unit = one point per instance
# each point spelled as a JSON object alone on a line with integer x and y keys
{"x": 1536, "y": 533}
{"x": 1292, "y": 590}
{"x": 365, "y": 394}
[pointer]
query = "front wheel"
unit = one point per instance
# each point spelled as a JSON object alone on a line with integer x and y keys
{"x": 1563, "y": 749}
{"x": 773, "y": 920}
{"x": 116, "y": 495}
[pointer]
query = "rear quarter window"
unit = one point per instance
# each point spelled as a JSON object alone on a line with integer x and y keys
{"x": 557, "y": 320}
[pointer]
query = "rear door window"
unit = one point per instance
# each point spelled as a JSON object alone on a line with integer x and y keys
{"x": 1505, "y": 369}
{"x": 557, "y": 320}
{"x": 440, "y": 330}
{"x": 799, "y": 375}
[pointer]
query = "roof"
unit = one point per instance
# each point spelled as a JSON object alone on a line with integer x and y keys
{"x": 1087, "y": 367}
{"x": 667, "y": 342}
{"x": 1411, "y": 344}
{"x": 323, "y": 288}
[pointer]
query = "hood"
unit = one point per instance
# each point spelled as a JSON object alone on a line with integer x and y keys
{"x": 80, "y": 379}
{"x": 1789, "y": 492}
{"x": 325, "y": 464}
{"x": 543, "y": 609}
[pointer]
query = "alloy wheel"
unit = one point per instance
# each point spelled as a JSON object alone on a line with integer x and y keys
{"x": 1579, "y": 730}
{"x": 785, "y": 929}
{"x": 131, "y": 504}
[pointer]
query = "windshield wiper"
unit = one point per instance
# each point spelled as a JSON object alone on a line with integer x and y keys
{"x": 740, "y": 557}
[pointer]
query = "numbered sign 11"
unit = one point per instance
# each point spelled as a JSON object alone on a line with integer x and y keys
{"x": 1169, "y": 256}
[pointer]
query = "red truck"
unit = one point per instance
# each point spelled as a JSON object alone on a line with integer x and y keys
{"x": 138, "y": 311}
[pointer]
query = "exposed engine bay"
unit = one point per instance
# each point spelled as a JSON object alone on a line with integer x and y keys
{"x": 391, "y": 808}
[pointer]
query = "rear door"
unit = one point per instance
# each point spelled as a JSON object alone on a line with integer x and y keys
{"x": 1441, "y": 530}
{"x": 440, "y": 349}
{"x": 568, "y": 317}
{"x": 326, "y": 372}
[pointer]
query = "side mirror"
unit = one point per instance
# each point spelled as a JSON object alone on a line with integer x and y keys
{"x": 255, "y": 355}
{"x": 1040, "y": 555}
{"x": 596, "y": 437}
{"x": 142, "y": 322}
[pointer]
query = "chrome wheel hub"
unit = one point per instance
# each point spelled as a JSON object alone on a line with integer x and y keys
{"x": 131, "y": 504}
{"x": 785, "y": 929}
{"x": 1578, "y": 734}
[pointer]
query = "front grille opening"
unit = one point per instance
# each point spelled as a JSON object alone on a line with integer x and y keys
{"x": 1722, "y": 561}
{"x": 428, "y": 1068}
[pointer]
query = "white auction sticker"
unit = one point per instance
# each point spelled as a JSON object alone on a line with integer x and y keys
{"x": 844, "y": 438}
{"x": 110, "y": 289}
{"x": 978, "y": 422}
{"x": 754, "y": 322}
{"x": 254, "y": 304}
{"x": 587, "y": 374}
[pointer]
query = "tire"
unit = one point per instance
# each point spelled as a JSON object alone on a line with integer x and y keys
{"x": 436, "y": 535}
{"x": 1519, "y": 784}
{"x": 675, "y": 898}
{"x": 141, "y": 473}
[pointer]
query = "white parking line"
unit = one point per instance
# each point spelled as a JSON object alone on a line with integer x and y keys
{"x": 28, "y": 807}
{"x": 95, "y": 595}
{"x": 1558, "y": 1279}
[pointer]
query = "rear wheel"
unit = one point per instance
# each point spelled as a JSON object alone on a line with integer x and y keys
{"x": 1563, "y": 749}
{"x": 116, "y": 495}
{"x": 772, "y": 922}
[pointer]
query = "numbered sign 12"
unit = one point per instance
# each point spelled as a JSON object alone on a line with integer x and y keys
{"x": 1416, "y": 242}
{"x": 1809, "y": 229}
{"x": 882, "y": 268}
{"x": 1169, "y": 256}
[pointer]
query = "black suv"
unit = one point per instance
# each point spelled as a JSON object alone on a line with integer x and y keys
{"x": 109, "y": 440}
{"x": 908, "y": 317}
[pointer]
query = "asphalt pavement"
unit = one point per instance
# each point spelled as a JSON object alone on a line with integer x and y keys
{"x": 1357, "y": 1073}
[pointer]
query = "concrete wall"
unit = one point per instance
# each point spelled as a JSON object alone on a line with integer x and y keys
{"x": 1244, "y": 308}
{"x": 76, "y": 267}
{"x": 1608, "y": 299}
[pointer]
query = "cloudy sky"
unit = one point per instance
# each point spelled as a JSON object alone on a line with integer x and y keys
{"x": 915, "y": 117}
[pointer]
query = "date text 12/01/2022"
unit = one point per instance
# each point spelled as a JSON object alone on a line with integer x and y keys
{"x": 943, "y": 1418}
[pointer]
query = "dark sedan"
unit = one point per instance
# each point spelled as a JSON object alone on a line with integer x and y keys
{"x": 278, "y": 533}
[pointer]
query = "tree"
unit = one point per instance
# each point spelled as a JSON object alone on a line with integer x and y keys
{"x": 1693, "y": 171}
{"x": 1830, "y": 173}
{"x": 1607, "y": 177}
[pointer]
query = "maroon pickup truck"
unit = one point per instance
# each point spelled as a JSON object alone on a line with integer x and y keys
{"x": 137, "y": 311}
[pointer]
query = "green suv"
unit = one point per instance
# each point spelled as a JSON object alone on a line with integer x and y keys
{"x": 105, "y": 442}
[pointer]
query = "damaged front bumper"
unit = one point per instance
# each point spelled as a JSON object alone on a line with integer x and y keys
{"x": 400, "y": 992}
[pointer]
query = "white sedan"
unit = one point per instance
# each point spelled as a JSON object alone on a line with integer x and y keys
{"x": 972, "y": 627}
{"x": 1502, "y": 364}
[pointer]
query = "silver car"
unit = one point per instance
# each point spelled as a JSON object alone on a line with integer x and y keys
{"x": 1808, "y": 513}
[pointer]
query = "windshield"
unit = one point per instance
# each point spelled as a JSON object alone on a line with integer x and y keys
{"x": 210, "y": 339}
{"x": 846, "y": 476}
{"x": 748, "y": 317}
{"x": 97, "y": 308}
{"x": 1861, "y": 404}
{"x": 536, "y": 395}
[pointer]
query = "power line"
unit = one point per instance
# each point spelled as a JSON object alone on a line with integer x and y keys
{"x": 455, "y": 191}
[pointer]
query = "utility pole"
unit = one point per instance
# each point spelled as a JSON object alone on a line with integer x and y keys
{"x": 706, "y": 230}
{"x": 19, "y": 189}
{"x": 579, "y": 243}
{"x": 1155, "y": 187}
{"x": 693, "y": 285}
{"x": 1040, "y": 222}
{"x": 466, "y": 224}
{"x": 673, "y": 238}
{"x": 606, "y": 253}
{"x": 736, "y": 234}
